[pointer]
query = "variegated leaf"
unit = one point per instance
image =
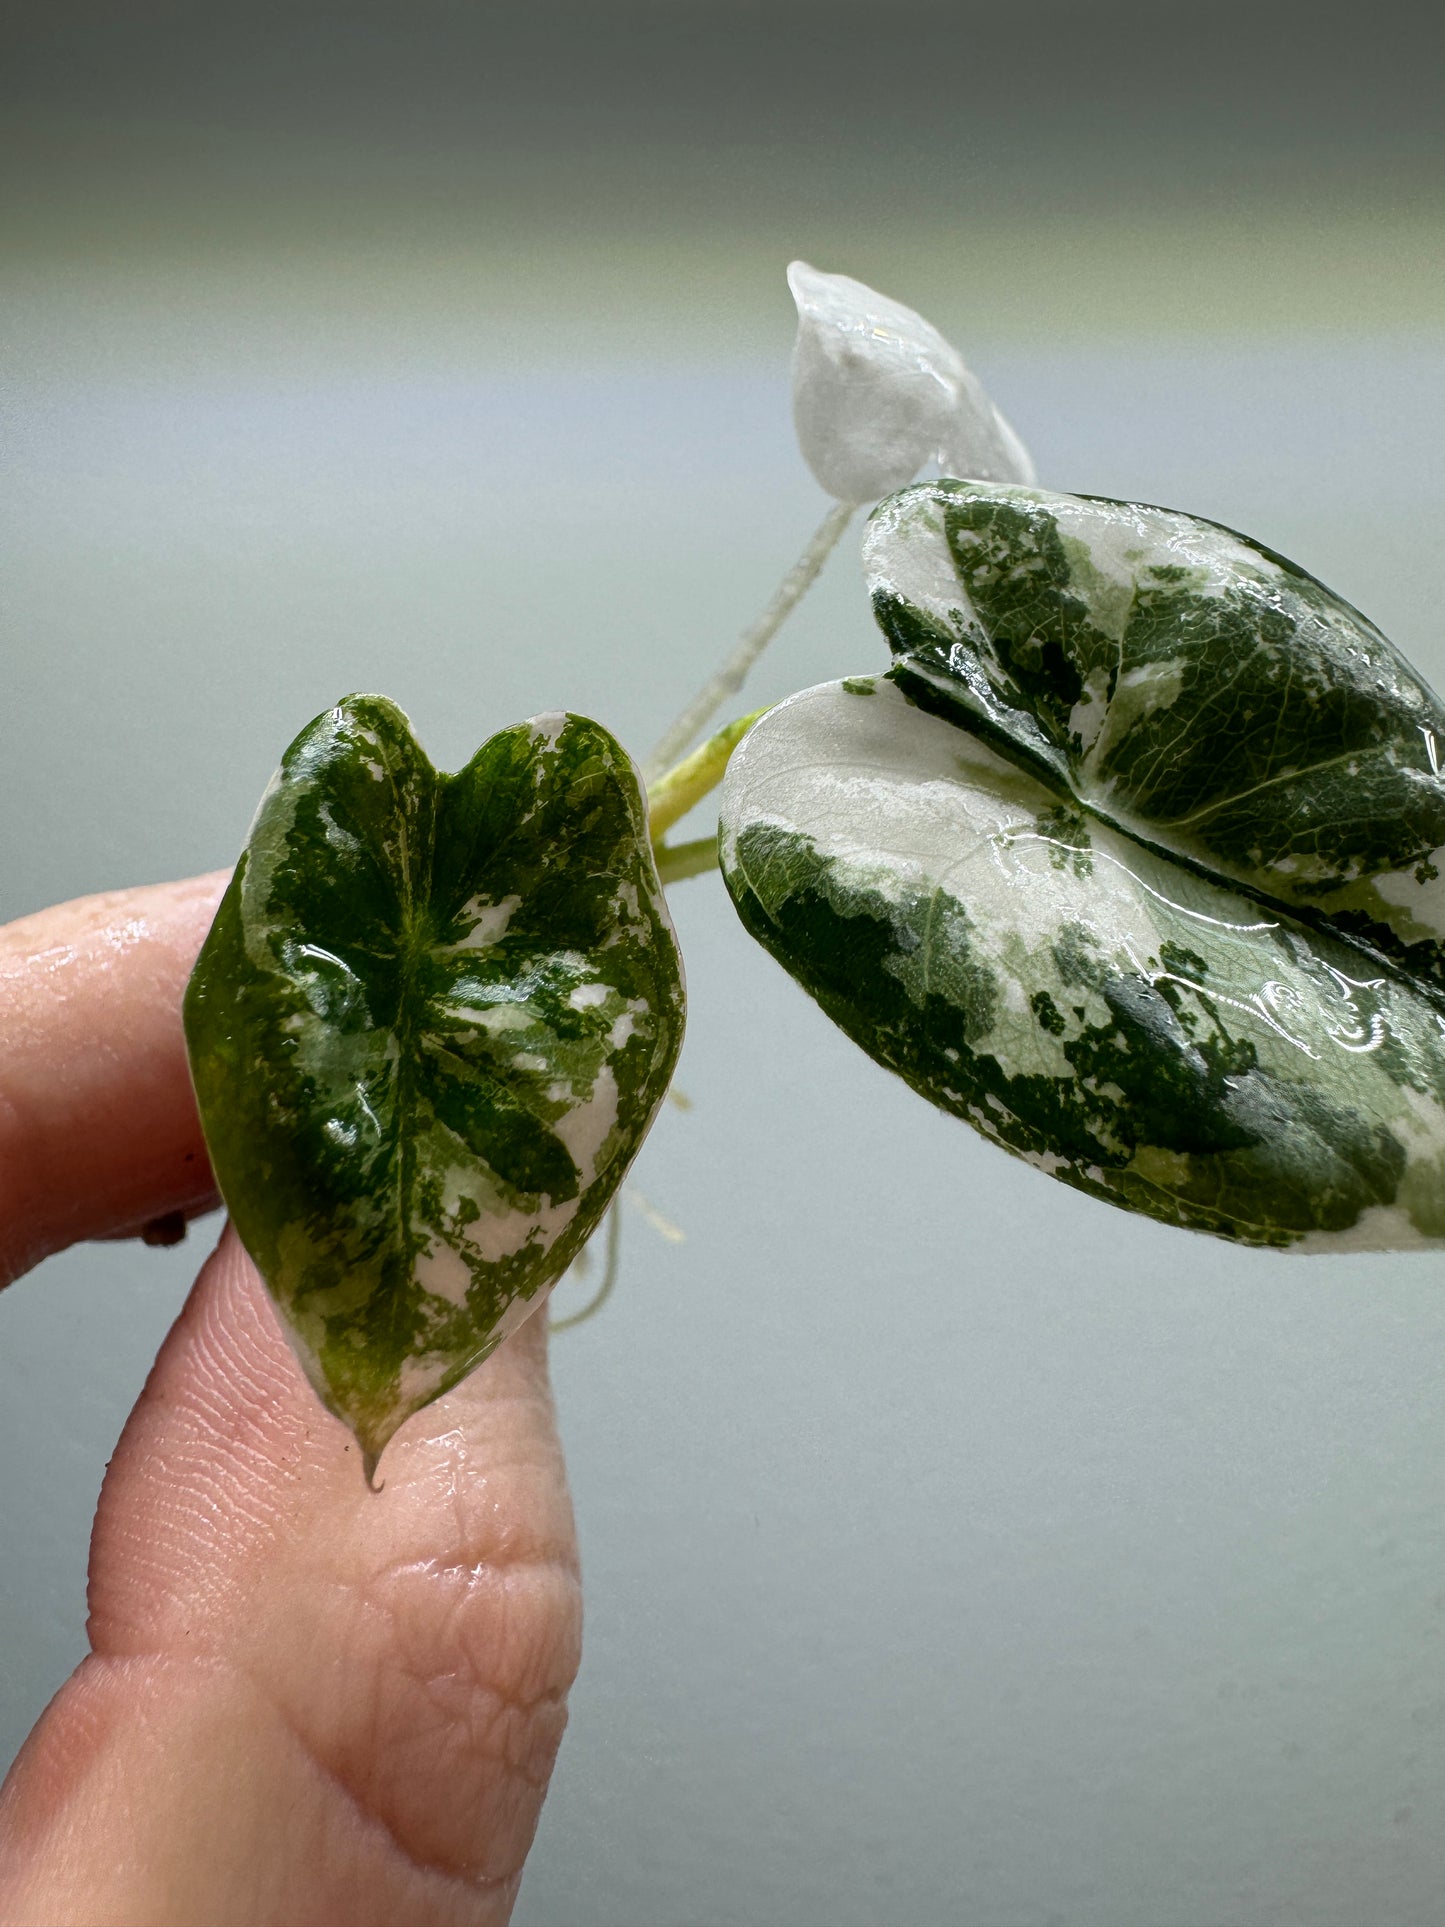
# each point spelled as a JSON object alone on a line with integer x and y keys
{"x": 428, "y": 1032}
{"x": 1186, "y": 684}
{"x": 1131, "y": 1027}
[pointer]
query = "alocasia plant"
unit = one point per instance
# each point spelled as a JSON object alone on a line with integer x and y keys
{"x": 1132, "y": 860}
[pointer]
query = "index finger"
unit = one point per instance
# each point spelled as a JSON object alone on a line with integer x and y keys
{"x": 99, "y": 1134}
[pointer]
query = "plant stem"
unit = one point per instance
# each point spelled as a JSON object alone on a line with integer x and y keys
{"x": 678, "y": 860}
{"x": 730, "y": 678}
{"x": 689, "y": 781}
{"x": 609, "y": 1276}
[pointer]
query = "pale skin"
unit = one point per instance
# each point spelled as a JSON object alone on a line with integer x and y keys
{"x": 304, "y": 1703}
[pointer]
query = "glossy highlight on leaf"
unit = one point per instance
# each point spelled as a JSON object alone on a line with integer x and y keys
{"x": 1129, "y": 1026}
{"x": 428, "y": 1031}
{"x": 1187, "y": 685}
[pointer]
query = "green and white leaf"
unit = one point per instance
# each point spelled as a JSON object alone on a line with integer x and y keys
{"x": 428, "y": 1032}
{"x": 1131, "y": 1027}
{"x": 1186, "y": 684}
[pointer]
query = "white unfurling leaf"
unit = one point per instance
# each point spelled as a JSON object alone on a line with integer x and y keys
{"x": 878, "y": 392}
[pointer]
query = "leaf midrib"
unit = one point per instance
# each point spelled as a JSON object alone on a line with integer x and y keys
{"x": 408, "y": 955}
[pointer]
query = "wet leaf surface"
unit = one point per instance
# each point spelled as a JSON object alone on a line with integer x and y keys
{"x": 428, "y": 1032}
{"x": 1130, "y": 862}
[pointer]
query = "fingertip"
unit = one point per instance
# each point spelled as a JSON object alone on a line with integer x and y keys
{"x": 410, "y": 1653}
{"x": 99, "y": 1132}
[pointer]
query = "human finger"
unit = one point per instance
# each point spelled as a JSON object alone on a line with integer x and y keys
{"x": 306, "y": 1702}
{"x": 98, "y": 1128}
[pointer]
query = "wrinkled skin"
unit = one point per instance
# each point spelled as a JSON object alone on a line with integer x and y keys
{"x": 304, "y": 1703}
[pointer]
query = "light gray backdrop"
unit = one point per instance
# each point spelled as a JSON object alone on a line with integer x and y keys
{"x": 956, "y": 1548}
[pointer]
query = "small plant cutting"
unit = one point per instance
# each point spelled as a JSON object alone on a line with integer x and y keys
{"x": 1129, "y": 851}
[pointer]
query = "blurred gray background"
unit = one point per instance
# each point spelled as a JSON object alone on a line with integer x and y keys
{"x": 957, "y": 1549}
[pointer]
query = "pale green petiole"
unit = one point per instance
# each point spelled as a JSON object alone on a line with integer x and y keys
{"x": 679, "y": 860}
{"x": 671, "y": 797}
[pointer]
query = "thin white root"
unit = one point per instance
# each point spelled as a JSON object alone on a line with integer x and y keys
{"x": 730, "y": 678}
{"x": 663, "y": 1226}
{"x": 609, "y": 1277}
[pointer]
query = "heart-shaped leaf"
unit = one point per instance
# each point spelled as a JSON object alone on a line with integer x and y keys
{"x": 1125, "y": 1024}
{"x": 1185, "y": 684}
{"x": 428, "y": 1031}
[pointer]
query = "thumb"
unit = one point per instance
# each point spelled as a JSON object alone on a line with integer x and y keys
{"x": 306, "y": 1702}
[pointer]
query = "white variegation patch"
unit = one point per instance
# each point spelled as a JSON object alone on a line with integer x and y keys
{"x": 1411, "y": 904}
{"x": 546, "y": 731}
{"x": 585, "y": 1128}
{"x": 443, "y": 1274}
{"x": 487, "y": 922}
{"x": 1384, "y": 1227}
{"x": 1113, "y": 545}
